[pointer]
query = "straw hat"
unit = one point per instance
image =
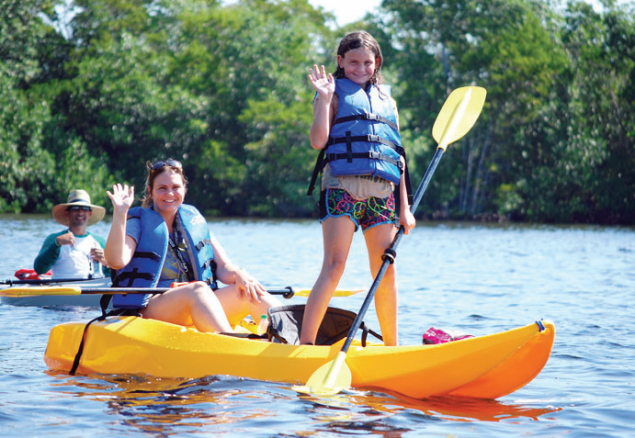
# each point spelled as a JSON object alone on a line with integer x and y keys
{"x": 78, "y": 198}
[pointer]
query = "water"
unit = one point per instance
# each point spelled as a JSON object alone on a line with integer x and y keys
{"x": 477, "y": 278}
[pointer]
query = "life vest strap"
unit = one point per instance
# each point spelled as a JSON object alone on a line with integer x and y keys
{"x": 202, "y": 243}
{"x": 319, "y": 165}
{"x": 367, "y": 116}
{"x": 367, "y": 139}
{"x": 147, "y": 255}
{"x": 212, "y": 281}
{"x": 371, "y": 154}
{"x": 324, "y": 158}
{"x": 131, "y": 276}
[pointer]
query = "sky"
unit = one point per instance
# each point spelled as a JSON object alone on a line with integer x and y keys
{"x": 347, "y": 11}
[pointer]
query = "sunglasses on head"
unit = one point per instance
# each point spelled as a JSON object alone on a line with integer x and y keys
{"x": 161, "y": 164}
{"x": 78, "y": 208}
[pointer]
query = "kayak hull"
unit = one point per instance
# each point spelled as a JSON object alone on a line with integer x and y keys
{"x": 59, "y": 300}
{"x": 481, "y": 367}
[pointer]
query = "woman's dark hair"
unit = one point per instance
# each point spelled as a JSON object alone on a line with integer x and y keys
{"x": 155, "y": 169}
{"x": 360, "y": 40}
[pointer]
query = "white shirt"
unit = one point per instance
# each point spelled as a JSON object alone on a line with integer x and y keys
{"x": 75, "y": 261}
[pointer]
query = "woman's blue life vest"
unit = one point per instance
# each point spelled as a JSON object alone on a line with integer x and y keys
{"x": 144, "y": 270}
{"x": 364, "y": 139}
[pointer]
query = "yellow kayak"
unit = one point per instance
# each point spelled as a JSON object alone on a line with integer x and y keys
{"x": 483, "y": 367}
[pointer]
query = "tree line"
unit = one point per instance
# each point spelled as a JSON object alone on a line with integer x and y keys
{"x": 92, "y": 89}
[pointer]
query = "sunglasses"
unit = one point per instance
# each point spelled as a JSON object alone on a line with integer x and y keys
{"x": 161, "y": 164}
{"x": 78, "y": 208}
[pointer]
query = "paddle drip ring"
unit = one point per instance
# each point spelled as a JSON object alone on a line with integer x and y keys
{"x": 390, "y": 255}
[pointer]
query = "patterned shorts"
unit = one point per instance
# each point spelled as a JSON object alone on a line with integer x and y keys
{"x": 367, "y": 212}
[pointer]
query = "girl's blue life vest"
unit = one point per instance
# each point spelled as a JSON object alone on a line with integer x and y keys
{"x": 364, "y": 139}
{"x": 144, "y": 270}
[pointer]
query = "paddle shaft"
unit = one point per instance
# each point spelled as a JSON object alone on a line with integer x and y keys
{"x": 391, "y": 253}
{"x": 286, "y": 292}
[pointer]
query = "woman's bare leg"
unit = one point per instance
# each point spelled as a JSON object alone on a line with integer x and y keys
{"x": 237, "y": 306}
{"x": 191, "y": 304}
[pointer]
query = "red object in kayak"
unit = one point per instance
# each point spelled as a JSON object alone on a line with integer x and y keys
{"x": 30, "y": 274}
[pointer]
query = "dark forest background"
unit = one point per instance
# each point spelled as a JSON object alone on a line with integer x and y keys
{"x": 91, "y": 90}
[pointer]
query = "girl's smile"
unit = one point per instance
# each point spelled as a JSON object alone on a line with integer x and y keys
{"x": 359, "y": 65}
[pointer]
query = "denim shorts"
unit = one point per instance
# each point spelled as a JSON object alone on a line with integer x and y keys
{"x": 366, "y": 213}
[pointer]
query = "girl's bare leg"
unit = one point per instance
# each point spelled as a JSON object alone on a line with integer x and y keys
{"x": 337, "y": 235}
{"x": 379, "y": 238}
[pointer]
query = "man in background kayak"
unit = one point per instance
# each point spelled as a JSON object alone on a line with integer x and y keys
{"x": 74, "y": 252}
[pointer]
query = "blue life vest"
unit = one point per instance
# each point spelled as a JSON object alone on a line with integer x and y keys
{"x": 364, "y": 139}
{"x": 144, "y": 270}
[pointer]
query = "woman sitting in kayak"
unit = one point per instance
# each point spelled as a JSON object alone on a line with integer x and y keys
{"x": 166, "y": 241}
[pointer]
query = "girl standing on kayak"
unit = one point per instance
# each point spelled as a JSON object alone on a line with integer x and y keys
{"x": 355, "y": 125}
{"x": 166, "y": 241}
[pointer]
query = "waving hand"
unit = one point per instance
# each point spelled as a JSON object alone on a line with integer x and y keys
{"x": 323, "y": 83}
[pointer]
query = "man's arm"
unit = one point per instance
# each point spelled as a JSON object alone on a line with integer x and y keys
{"x": 49, "y": 253}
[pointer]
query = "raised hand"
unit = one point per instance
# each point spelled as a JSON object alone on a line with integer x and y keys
{"x": 122, "y": 197}
{"x": 323, "y": 83}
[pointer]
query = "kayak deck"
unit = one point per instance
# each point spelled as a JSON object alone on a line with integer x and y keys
{"x": 483, "y": 367}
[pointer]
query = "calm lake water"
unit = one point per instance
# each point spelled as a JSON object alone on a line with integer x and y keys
{"x": 477, "y": 278}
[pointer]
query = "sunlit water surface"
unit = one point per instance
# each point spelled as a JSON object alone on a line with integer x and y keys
{"x": 477, "y": 278}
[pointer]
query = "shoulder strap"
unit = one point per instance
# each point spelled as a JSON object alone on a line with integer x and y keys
{"x": 319, "y": 165}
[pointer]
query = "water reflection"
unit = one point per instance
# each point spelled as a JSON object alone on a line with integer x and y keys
{"x": 166, "y": 406}
{"x": 163, "y": 406}
{"x": 447, "y": 408}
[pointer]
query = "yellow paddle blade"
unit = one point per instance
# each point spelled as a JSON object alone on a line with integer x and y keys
{"x": 329, "y": 379}
{"x": 337, "y": 293}
{"x": 30, "y": 291}
{"x": 458, "y": 115}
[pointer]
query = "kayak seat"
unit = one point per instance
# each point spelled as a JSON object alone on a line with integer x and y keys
{"x": 285, "y": 325}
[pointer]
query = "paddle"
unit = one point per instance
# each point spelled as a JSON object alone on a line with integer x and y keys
{"x": 457, "y": 116}
{"x": 23, "y": 291}
{"x": 45, "y": 281}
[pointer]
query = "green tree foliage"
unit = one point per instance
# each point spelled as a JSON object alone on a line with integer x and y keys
{"x": 599, "y": 149}
{"x": 40, "y": 162}
{"x": 219, "y": 87}
{"x": 92, "y": 89}
{"x": 501, "y": 45}
{"x": 249, "y": 61}
{"x": 553, "y": 141}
